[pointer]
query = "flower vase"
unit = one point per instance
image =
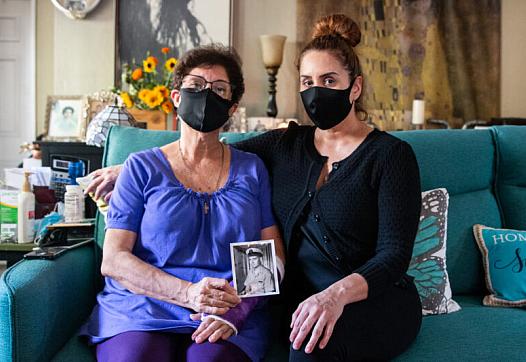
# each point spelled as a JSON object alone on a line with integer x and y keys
{"x": 154, "y": 119}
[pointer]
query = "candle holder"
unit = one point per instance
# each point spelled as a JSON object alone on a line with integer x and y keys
{"x": 272, "y": 52}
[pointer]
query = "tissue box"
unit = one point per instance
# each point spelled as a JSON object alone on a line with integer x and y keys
{"x": 8, "y": 215}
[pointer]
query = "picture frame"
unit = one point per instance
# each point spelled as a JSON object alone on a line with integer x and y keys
{"x": 65, "y": 118}
{"x": 254, "y": 268}
{"x": 96, "y": 102}
{"x": 143, "y": 28}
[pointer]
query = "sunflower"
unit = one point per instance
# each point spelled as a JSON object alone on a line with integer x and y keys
{"x": 170, "y": 64}
{"x": 163, "y": 90}
{"x": 126, "y": 99}
{"x": 167, "y": 106}
{"x": 153, "y": 99}
{"x": 143, "y": 93}
{"x": 137, "y": 74}
{"x": 149, "y": 65}
{"x": 165, "y": 50}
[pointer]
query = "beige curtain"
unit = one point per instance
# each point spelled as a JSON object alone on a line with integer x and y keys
{"x": 445, "y": 52}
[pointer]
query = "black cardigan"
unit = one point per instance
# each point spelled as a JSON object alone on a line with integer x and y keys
{"x": 368, "y": 210}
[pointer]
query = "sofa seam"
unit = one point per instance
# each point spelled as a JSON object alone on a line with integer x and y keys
{"x": 496, "y": 190}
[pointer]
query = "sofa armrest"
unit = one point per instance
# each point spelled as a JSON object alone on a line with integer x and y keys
{"x": 44, "y": 302}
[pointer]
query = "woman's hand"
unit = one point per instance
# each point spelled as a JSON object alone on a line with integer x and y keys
{"x": 103, "y": 182}
{"x": 212, "y": 296}
{"x": 320, "y": 311}
{"x": 211, "y": 329}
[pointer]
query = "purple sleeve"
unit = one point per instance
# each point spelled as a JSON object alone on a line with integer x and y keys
{"x": 265, "y": 196}
{"x": 127, "y": 201}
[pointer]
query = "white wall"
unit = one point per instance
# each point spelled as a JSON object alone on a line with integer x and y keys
{"x": 513, "y": 59}
{"x": 252, "y": 19}
{"x": 74, "y": 57}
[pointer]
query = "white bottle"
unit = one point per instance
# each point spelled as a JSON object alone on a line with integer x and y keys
{"x": 73, "y": 200}
{"x": 26, "y": 212}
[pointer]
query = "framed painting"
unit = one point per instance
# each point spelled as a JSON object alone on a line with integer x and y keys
{"x": 96, "y": 102}
{"x": 65, "y": 119}
{"x": 145, "y": 27}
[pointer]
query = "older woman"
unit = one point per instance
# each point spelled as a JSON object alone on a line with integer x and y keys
{"x": 173, "y": 214}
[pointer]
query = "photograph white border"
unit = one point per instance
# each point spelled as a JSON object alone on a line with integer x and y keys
{"x": 274, "y": 267}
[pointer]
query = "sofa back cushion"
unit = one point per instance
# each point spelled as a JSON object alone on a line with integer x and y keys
{"x": 462, "y": 161}
{"x": 511, "y": 175}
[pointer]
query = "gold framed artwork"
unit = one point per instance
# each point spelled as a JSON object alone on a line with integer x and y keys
{"x": 65, "y": 118}
{"x": 96, "y": 102}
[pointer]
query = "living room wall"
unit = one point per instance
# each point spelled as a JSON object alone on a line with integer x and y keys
{"x": 77, "y": 57}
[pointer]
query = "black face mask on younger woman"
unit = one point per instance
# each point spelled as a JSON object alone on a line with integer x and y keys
{"x": 204, "y": 111}
{"x": 327, "y": 107}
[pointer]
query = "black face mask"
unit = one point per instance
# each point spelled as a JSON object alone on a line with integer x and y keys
{"x": 204, "y": 111}
{"x": 327, "y": 107}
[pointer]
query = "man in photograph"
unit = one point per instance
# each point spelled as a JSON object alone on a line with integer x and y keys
{"x": 259, "y": 278}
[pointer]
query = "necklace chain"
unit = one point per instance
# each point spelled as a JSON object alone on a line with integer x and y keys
{"x": 189, "y": 169}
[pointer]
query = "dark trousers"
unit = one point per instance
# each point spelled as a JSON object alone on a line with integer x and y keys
{"x": 380, "y": 328}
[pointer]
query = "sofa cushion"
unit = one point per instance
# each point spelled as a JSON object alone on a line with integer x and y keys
{"x": 462, "y": 161}
{"x": 511, "y": 175}
{"x": 503, "y": 255}
{"x": 476, "y": 333}
{"x": 428, "y": 264}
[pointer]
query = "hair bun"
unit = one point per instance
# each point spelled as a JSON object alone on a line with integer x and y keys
{"x": 338, "y": 25}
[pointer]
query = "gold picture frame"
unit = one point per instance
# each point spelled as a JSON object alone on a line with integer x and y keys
{"x": 96, "y": 102}
{"x": 65, "y": 118}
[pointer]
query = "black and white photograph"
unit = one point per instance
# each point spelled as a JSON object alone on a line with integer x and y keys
{"x": 148, "y": 25}
{"x": 254, "y": 268}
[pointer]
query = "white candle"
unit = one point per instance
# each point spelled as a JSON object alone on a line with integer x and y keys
{"x": 418, "y": 111}
{"x": 272, "y": 49}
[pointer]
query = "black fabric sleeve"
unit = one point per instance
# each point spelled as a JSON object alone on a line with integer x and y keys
{"x": 399, "y": 204}
{"x": 263, "y": 145}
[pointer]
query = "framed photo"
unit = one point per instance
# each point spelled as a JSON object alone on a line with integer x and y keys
{"x": 96, "y": 102}
{"x": 147, "y": 26}
{"x": 65, "y": 118}
{"x": 254, "y": 268}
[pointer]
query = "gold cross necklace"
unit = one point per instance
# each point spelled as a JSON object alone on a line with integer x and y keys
{"x": 188, "y": 169}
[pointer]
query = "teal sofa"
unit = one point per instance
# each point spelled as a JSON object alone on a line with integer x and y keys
{"x": 43, "y": 303}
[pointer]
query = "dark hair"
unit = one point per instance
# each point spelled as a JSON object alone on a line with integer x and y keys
{"x": 210, "y": 55}
{"x": 338, "y": 34}
{"x": 66, "y": 108}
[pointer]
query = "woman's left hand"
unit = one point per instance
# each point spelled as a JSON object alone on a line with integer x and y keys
{"x": 211, "y": 329}
{"x": 321, "y": 311}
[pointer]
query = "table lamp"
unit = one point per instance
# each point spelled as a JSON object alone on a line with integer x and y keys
{"x": 272, "y": 52}
{"x": 100, "y": 124}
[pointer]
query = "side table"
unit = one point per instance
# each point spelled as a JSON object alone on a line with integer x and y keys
{"x": 12, "y": 252}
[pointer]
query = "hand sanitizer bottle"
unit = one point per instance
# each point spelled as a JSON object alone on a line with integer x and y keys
{"x": 26, "y": 212}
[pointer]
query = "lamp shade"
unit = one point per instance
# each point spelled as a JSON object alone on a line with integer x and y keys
{"x": 272, "y": 49}
{"x": 100, "y": 125}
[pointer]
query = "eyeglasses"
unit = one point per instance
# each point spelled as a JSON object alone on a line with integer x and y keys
{"x": 196, "y": 83}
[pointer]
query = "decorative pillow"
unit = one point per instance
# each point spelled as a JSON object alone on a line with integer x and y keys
{"x": 504, "y": 258}
{"x": 428, "y": 264}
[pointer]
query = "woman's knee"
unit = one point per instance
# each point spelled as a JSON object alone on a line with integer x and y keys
{"x": 136, "y": 346}
{"x": 215, "y": 352}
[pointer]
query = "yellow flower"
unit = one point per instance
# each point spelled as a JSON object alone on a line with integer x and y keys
{"x": 143, "y": 93}
{"x": 149, "y": 65}
{"x": 137, "y": 74}
{"x": 153, "y": 99}
{"x": 126, "y": 99}
{"x": 170, "y": 64}
{"x": 163, "y": 90}
{"x": 167, "y": 106}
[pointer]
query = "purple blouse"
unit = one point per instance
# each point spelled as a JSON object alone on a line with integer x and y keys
{"x": 175, "y": 235}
